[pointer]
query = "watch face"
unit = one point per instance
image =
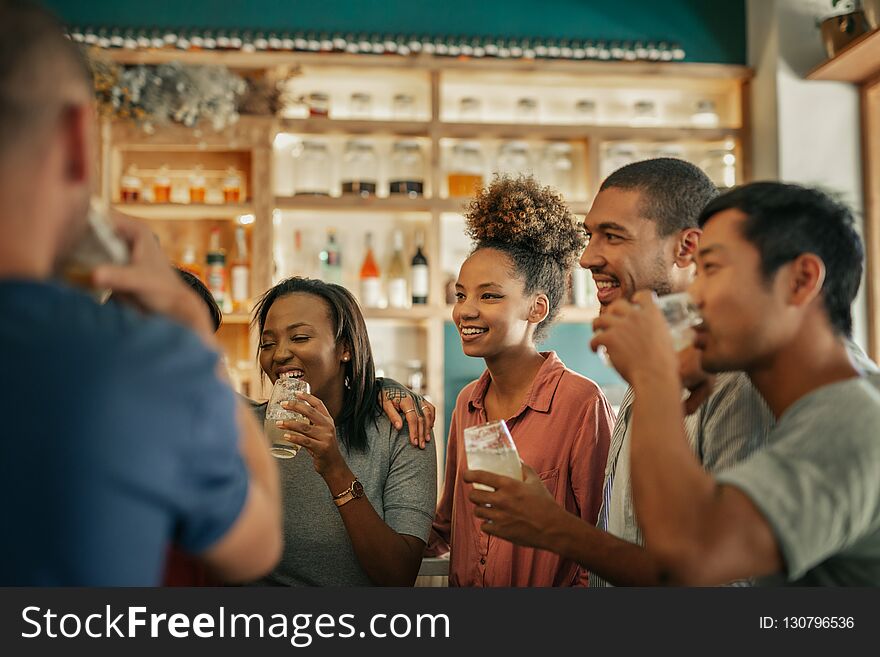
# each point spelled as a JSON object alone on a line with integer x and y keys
{"x": 357, "y": 489}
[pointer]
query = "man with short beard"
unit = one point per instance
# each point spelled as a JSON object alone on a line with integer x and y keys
{"x": 643, "y": 235}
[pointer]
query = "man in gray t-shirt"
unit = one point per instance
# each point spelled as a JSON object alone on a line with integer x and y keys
{"x": 778, "y": 268}
{"x": 836, "y": 539}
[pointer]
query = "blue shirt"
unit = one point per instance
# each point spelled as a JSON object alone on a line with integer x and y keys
{"x": 117, "y": 439}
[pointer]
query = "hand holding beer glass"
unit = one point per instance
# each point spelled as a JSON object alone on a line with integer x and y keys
{"x": 681, "y": 317}
{"x": 285, "y": 389}
{"x": 490, "y": 447}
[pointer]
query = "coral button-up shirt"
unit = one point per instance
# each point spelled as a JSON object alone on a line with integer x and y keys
{"x": 563, "y": 431}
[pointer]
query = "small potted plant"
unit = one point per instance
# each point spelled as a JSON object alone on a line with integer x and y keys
{"x": 843, "y": 27}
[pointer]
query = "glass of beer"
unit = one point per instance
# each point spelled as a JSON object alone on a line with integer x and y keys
{"x": 490, "y": 447}
{"x": 285, "y": 389}
{"x": 681, "y": 317}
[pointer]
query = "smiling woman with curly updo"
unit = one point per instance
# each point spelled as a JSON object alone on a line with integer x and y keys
{"x": 508, "y": 293}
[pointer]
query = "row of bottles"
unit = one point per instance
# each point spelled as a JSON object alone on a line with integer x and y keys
{"x": 228, "y": 279}
{"x": 360, "y": 106}
{"x": 401, "y": 289}
{"x": 718, "y": 161}
{"x": 465, "y": 167}
{"x": 180, "y": 187}
{"x": 642, "y": 112}
{"x": 394, "y": 286}
{"x": 553, "y": 165}
{"x": 360, "y": 169}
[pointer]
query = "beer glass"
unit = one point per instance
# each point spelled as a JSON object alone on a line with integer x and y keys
{"x": 490, "y": 447}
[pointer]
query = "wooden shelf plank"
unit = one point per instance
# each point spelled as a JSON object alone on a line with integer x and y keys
{"x": 354, "y": 203}
{"x": 453, "y": 130}
{"x": 184, "y": 211}
{"x": 417, "y": 313}
{"x": 387, "y": 204}
{"x": 566, "y": 132}
{"x": 322, "y": 126}
{"x": 236, "y": 318}
{"x": 857, "y": 63}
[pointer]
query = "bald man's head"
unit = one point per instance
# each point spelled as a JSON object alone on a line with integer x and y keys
{"x": 41, "y": 72}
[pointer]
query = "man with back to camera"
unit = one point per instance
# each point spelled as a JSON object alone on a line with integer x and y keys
{"x": 122, "y": 436}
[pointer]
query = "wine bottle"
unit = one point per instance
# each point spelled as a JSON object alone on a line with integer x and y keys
{"x": 419, "y": 273}
{"x": 397, "y": 283}
{"x": 371, "y": 282}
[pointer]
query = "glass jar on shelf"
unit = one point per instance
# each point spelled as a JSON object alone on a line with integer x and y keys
{"x": 526, "y": 110}
{"x": 720, "y": 165}
{"x": 705, "y": 115}
{"x": 415, "y": 377}
{"x": 585, "y": 111}
{"x": 197, "y": 185}
{"x": 465, "y": 172}
{"x": 668, "y": 150}
{"x": 403, "y": 107}
{"x": 513, "y": 159}
{"x": 558, "y": 167}
{"x": 162, "y": 186}
{"x": 318, "y": 104}
{"x": 232, "y": 186}
{"x": 360, "y": 105}
{"x": 359, "y": 168}
{"x": 130, "y": 186}
{"x": 407, "y": 169}
{"x": 645, "y": 113}
{"x": 470, "y": 109}
{"x": 312, "y": 170}
{"x": 617, "y": 156}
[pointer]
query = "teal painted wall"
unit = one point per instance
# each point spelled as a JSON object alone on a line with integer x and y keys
{"x": 709, "y": 30}
{"x": 570, "y": 342}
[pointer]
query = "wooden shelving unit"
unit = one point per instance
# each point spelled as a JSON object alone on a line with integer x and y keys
{"x": 253, "y": 141}
{"x": 184, "y": 211}
{"x": 859, "y": 63}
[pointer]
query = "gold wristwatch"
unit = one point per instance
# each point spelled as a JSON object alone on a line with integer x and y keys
{"x": 354, "y": 491}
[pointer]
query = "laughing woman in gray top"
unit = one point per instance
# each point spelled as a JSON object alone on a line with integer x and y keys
{"x": 358, "y": 498}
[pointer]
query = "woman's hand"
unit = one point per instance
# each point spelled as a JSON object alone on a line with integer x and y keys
{"x": 318, "y": 437}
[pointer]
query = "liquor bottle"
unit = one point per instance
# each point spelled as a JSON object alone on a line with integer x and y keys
{"x": 190, "y": 263}
{"x": 197, "y": 185}
{"x": 130, "y": 186}
{"x": 162, "y": 186}
{"x": 397, "y": 283}
{"x": 298, "y": 264}
{"x": 240, "y": 273}
{"x": 216, "y": 270}
{"x": 419, "y": 273}
{"x": 371, "y": 282}
{"x": 331, "y": 260}
{"x": 232, "y": 186}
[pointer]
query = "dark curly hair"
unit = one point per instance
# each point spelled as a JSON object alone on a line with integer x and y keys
{"x": 535, "y": 229}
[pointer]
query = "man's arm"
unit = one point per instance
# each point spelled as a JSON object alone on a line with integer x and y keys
{"x": 698, "y": 532}
{"x": 253, "y": 544}
{"x": 526, "y": 514}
